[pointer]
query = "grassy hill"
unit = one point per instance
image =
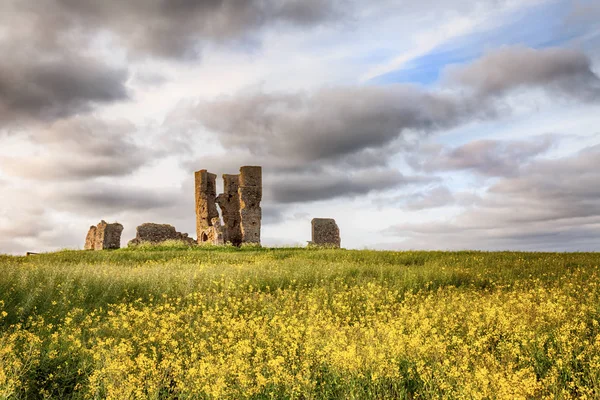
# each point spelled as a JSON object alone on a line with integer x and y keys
{"x": 174, "y": 322}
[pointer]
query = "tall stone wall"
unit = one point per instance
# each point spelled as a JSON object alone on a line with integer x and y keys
{"x": 229, "y": 202}
{"x": 250, "y": 194}
{"x": 206, "y": 207}
{"x": 90, "y": 239}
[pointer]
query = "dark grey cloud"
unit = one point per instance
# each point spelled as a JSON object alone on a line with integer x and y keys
{"x": 97, "y": 198}
{"x": 329, "y": 124}
{"x": 562, "y": 70}
{"x": 554, "y": 204}
{"x": 324, "y": 187}
{"x": 80, "y": 148}
{"x": 47, "y": 73}
{"x": 35, "y": 89}
{"x": 485, "y": 157}
{"x": 273, "y": 215}
{"x": 169, "y": 28}
{"x": 556, "y": 188}
{"x": 53, "y": 65}
{"x": 334, "y": 143}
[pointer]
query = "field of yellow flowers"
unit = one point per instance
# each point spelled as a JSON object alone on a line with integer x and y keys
{"x": 256, "y": 323}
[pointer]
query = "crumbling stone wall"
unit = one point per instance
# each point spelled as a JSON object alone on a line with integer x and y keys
{"x": 214, "y": 234}
{"x": 206, "y": 207}
{"x": 106, "y": 236}
{"x": 325, "y": 232}
{"x": 90, "y": 239}
{"x": 158, "y": 233}
{"x": 239, "y": 204}
{"x": 229, "y": 202}
{"x": 250, "y": 193}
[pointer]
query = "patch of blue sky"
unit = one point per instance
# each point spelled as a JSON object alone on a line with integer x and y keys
{"x": 538, "y": 27}
{"x": 424, "y": 70}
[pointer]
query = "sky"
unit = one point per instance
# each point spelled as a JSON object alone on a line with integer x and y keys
{"x": 430, "y": 124}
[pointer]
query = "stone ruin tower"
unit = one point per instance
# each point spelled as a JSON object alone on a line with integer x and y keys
{"x": 104, "y": 236}
{"x": 239, "y": 204}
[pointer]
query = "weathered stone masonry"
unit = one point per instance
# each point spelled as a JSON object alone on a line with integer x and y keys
{"x": 206, "y": 207}
{"x": 239, "y": 204}
{"x": 158, "y": 233}
{"x": 90, "y": 239}
{"x": 250, "y": 193}
{"x": 104, "y": 236}
{"x": 229, "y": 202}
{"x": 325, "y": 232}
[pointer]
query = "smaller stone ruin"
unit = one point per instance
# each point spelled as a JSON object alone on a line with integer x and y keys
{"x": 104, "y": 236}
{"x": 158, "y": 233}
{"x": 325, "y": 232}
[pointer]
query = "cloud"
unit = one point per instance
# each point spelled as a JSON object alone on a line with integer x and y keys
{"x": 438, "y": 196}
{"x": 333, "y": 123}
{"x": 27, "y": 223}
{"x": 343, "y": 132}
{"x": 562, "y": 70}
{"x": 324, "y": 187}
{"x": 583, "y": 11}
{"x": 48, "y": 73}
{"x": 485, "y": 157}
{"x": 169, "y": 28}
{"x": 32, "y": 88}
{"x": 62, "y": 57}
{"x": 552, "y": 204}
{"x": 328, "y": 124}
{"x": 336, "y": 142}
{"x": 96, "y": 198}
{"x": 80, "y": 148}
{"x": 425, "y": 199}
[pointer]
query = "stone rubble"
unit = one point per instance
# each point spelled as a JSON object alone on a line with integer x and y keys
{"x": 158, "y": 233}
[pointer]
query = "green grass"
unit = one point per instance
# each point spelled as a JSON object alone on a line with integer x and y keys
{"x": 90, "y": 280}
{"x": 40, "y": 292}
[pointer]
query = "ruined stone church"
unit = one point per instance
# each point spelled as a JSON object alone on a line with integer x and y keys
{"x": 239, "y": 204}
